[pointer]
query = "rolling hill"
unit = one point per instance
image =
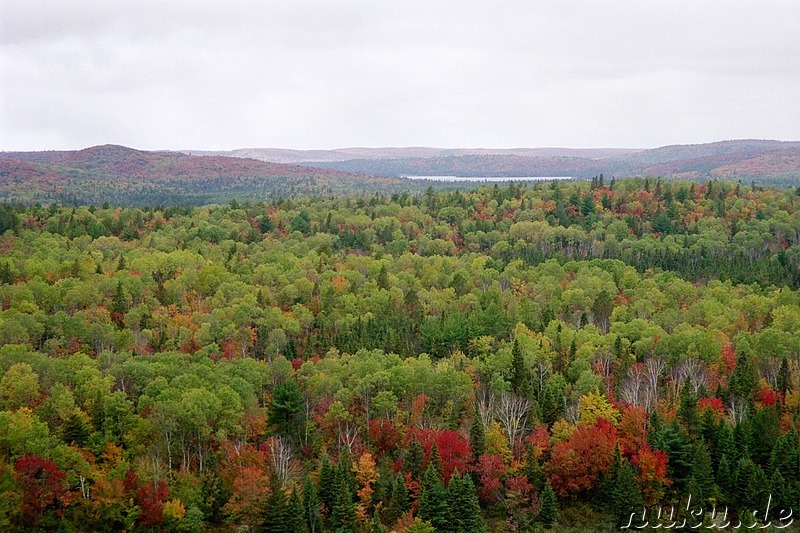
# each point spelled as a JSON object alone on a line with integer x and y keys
{"x": 126, "y": 176}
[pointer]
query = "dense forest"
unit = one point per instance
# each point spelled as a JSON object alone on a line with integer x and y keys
{"x": 523, "y": 358}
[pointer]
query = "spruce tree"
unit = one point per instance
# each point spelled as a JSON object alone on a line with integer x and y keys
{"x": 311, "y": 506}
{"x": 296, "y": 520}
{"x": 520, "y": 378}
{"x": 433, "y": 505}
{"x": 464, "y": 507}
{"x": 435, "y": 459}
{"x": 687, "y": 409}
{"x": 703, "y": 488}
{"x": 343, "y": 513}
{"x": 626, "y": 497}
{"x": 276, "y": 511}
{"x": 548, "y": 512}
{"x": 412, "y": 462}
{"x": 477, "y": 436}
{"x": 400, "y": 500}
{"x": 328, "y": 482}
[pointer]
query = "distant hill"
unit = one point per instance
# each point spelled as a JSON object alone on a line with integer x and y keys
{"x": 126, "y": 176}
{"x": 767, "y": 162}
{"x": 280, "y": 155}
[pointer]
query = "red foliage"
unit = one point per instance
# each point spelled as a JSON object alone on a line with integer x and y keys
{"x": 714, "y": 404}
{"x": 297, "y": 363}
{"x": 490, "y": 468}
{"x": 652, "y": 465}
{"x": 383, "y": 434}
{"x": 576, "y": 465}
{"x": 455, "y": 451}
{"x": 766, "y": 396}
{"x": 632, "y": 429}
{"x": 151, "y": 499}
{"x": 729, "y": 357}
{"x": 43, "y": 486}
{"x": 539, "y": 439}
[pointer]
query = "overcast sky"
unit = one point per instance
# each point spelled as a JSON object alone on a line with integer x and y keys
{"x": 329, "y": 74}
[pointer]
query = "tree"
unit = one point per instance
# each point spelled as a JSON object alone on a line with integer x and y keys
{"x": 548, "y": 513}
{"x": 276, "y": 513}
{"x": 464, "y": 507}
{"x": 625, "y": 495}
{"x": 412, "y": 461}
{"x": 477, "y": 436}
{"x": 311, "y": 506}
{"x": 433, "y": 502}
{"x": 286, "y": 408}
{"x": 400, "y": 501}
{"x": 520, "y": 376}
{"x": 43, "y": 487}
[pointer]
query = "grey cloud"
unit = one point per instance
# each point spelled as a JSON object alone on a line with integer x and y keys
{"x": 305, "y": 74}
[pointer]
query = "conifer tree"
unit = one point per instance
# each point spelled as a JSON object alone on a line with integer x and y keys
{"x": 548, "y": 512}
{"x": 433, "y": 504}
{"x": 343, "y": 513}
{"x": 687, "y": 409}
{"x": 400, "y": 500}
{"x": 435, "y": 459}
{"x": 276, "y": 512}
{"x": 477, "y": 436}
{"x": 702, "y": 486}
{"x": 296, "y": 520}
{"x": 412, "y": 462}
{"x": 311, "y": 506}
{"x": 464, "y": 507}
{"x": 520, "y": 378}
{"x": 327, "y": 482}
{"x": 626, "y": 497}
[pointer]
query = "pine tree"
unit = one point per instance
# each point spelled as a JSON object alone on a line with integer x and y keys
{"x": 520, "y": 377}
{"x": 784, "y": 378}
{"x": 400, "y": 500}
{"x": 412, "y": 462}
{"x": 433, "y": 505}
{"x": 464, "y": 507}
{"x": 435, "y": 459}
{"x": 780, "y": 494}
{"x": 311, "y": 506}
{"x": 687, "y": 409}
{"x": 548, "y": 512}
{"x": 276, "y": 512}
{"x": 626, "y": 495}
{"x": 674, "y": 441}
{"x": 296, "y": 520}
{"x": 477, "y": 436}
{"x": 343, "y": 512}
{"x": 702, "y": 485}
{"x": 375, "y": 525}
{"x": 605, "y": 494}
{"x": 328, "y": 483}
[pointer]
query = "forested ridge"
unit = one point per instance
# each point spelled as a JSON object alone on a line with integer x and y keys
{"x": 519, "y": 358}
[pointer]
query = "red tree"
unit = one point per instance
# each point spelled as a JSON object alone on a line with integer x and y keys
{"x": 43, "y": 486}
{"x": 577, "y": 464}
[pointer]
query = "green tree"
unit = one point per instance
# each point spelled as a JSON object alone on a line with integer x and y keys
{"x": 548, "y": 513}
{"x": 433, "y": 502}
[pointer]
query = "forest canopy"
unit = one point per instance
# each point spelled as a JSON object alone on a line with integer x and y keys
{"x": 512, "y": 357}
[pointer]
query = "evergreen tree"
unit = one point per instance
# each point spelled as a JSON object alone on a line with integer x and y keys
{"x": 296, "y": 520}
{"x": 412, "y": 462}
{"x": 520, "y": 377}
{"x": 626, "y": 495}
{"x": 477, "y": 436}
{"x": 726, "y": 478}
{"x": 464, "y": 507}
{"x": 328, "y": 482}
{"x": 687, "y": 409}
{"x": 674, "y": 441}
{"x": 781, "y": 496}
{"x": 343, "y": 513}
{"x": 784, "y": 378}
{"x": 548, "y": 512}
{"x": 433, "y": 505}
{"x": 435, "y": 459}
{"x": 311, "y": 506}
{"x": 605, "y": 493}
{"x": 744, "y": 378}
{"x": 702, "y": 486}
{"x": 276, "y": 512}
{"x": 400, "y": 501}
